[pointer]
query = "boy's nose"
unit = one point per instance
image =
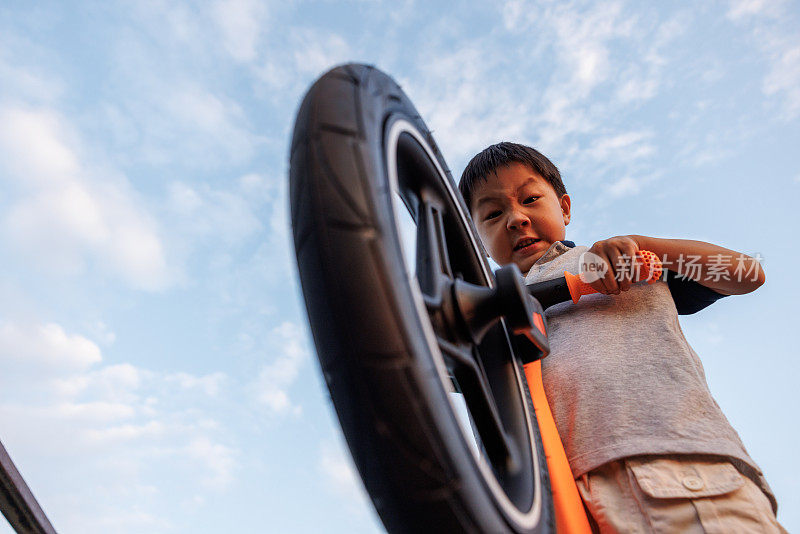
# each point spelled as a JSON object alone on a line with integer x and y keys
{"x": 518, "y": 220}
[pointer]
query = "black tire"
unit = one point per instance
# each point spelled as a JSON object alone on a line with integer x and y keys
{"x": 358, "y": 144}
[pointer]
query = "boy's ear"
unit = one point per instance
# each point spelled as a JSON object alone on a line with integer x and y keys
{"x": 566, "y": 206}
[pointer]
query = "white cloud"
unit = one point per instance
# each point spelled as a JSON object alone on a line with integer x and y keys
{"x": 173, "y": 21}
{"x": 114, "y": 518}
{"x": 115, "y": 435}
{"x": 19, "y": 79}
{"x": 212, "y": 227}
{"x": 464, "y": 102}
{"x": 513, "y": 12}
{"x": 254, "y": 183}
{"x": 241, "y": 23}
{"x": 95, "y": 412}
{"x": 583, "y": 41}
{"x": 581, "y": 37}
{"x": 204, "y": 214}
{"x": 311, "y": 53}
{"x": 115, "y": 383}
{"x": 46, "y": 348}
{"x": 317, "y": 53}
{"x": 271, "y": 388}
{"x": 101, "y": 332}
{"x": 67, "y": 212}
{"x": 219, "y": 461}
{"x": 179, "y": 120}
{"x": 624, "y": 186}
{"x": 622, "y": 147}
{"x": 173, "y": 103}
{"x": 209, "y": 385}
{"x": 338, "y": 469}
{"x": 773, "y": 29}
{"x": 119, "y": 383}
{"x": 784, "y": 75}
{"x": 588, "y": 52}
{"x": 214, "y": 118}
{"x": 740, "y": 9}
{"x": 637, "y": 89}
{"x": 184, "y": 199}
{"x": 58, "y": 400}
{"x": 35, "y": 143}
{"x": 708, "y": 149}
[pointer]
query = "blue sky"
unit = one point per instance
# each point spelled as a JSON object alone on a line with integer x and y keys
{"x": 156, "y": 373}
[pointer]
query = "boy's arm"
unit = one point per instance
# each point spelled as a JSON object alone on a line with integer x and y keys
{"x": 725, "y": 271}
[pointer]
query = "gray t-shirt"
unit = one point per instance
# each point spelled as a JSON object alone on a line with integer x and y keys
{"x": 622, "y": 380}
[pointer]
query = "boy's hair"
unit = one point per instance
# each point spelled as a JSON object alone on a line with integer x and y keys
{"x": 491, "y": 158}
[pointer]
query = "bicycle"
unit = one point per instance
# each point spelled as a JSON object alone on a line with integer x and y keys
{"x": 411, "y": 327}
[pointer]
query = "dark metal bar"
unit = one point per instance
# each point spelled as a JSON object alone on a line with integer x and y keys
{"x": 482, "y": 407}
{"x": 17, "y": 501}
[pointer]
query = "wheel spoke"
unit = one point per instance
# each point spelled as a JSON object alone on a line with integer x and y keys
{"x": 481, "y": 404}
{"x": 433, "y": 261}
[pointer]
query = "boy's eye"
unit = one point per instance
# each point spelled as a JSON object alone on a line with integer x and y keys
{"x": 529, "y": 200}
{"x": 492, "y": 215}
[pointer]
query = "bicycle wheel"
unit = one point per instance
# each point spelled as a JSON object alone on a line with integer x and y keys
{"x": 441, "y": 428}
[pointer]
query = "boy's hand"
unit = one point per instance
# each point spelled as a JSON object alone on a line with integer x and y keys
{"x": 622, "y": 266}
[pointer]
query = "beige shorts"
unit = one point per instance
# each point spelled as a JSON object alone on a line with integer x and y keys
{"x": 674, "y": 494}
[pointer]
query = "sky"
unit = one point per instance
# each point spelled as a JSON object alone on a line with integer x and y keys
{"x": 156, "y": 368}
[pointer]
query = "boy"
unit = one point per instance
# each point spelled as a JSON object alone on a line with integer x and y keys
{"x": 649, "y": 447}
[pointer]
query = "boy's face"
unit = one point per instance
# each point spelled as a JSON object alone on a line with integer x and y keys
{"x": 519, "y": 215}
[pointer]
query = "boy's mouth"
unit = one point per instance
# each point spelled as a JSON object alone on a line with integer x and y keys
{"x": 523, "y": 243}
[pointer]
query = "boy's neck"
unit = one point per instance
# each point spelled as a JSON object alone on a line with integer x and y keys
{"x": 555, "y": 250}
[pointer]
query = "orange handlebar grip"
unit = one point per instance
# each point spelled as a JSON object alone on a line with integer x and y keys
{"x": 577, "y": 287}
{"x": 651, "y": 271}
{"x": 652, "y": 267}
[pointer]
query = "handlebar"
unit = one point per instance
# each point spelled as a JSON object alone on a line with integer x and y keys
{"x": 572, "y": 287}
